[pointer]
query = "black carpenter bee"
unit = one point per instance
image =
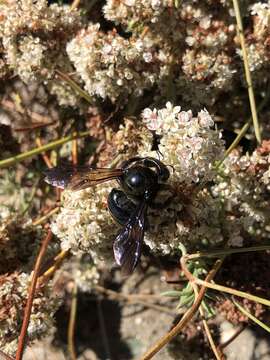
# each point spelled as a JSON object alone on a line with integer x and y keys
{"x": 140, "y": 180}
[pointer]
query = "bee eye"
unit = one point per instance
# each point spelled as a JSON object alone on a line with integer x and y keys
{"x": 136, "y": 181}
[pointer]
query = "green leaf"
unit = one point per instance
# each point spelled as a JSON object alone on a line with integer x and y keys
{"x": 171, "y": 293}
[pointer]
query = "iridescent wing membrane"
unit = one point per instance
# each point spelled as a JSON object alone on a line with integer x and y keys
{"x": 128, "y": 243}
{"x": 79, "y": 177}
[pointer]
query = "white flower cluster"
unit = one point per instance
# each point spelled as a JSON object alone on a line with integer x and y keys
{"x": 257, "y": 47}
{"x": 127, "y": 11}
{"x": 110, "y": 65}
{"x": 262, "y": 13}
{"x": 34, "y": 35}
{"x": 191, "y": 43}
{"x": 244, "y": 190}
{"x": 13, "y": 295}
{"x": 84, "y": 224}
{"x": 170, "y": 46}
{"x": 188, "y": 143}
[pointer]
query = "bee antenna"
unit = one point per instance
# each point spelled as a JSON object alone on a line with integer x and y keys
{"x": 159, "y": 153}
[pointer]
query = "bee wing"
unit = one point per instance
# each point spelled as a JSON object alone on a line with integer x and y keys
{"x": 128, "y": 243}
{"x": 79, "y": 177}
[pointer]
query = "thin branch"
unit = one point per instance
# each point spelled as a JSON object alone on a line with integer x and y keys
{"x": 185, "y": 318}
{"x": 45, "y": 217}
{"x": 31, "y": 295}
{"x": 74, "y": 152}
{"x": 71, "y": 324}
{"x": 217, "y": 352}
{"x": 251, "y": 317}
{"x": 221, "y": 288}
{"x": 58, "y": 262}
{"x": 218, "y": 253}
{"x": 252, "y": 101}
{"x": 44, "y": 155}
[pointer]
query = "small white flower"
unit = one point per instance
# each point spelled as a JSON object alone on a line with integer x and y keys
{"x": 147, "y": 57}
{"x": 205, "y": 119}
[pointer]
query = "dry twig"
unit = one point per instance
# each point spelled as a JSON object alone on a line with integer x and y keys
{"x": 31, "y": 292}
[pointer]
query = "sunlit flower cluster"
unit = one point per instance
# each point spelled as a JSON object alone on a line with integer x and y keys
{"x": 194, "y": 47}
{"x": 110, "y": 65}
{"x": 244, "y": 191}
{"x": 84, "y": 224}
{"x": 34, "y": 36}
{"x": 190, "y": 144}
{"x": 131, "y": 11}
{"x": 258, "y": 40}
{"x": 169, "y": 46}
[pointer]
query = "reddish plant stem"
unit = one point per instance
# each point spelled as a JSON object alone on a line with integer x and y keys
{"x": 44, "y": 155}
{"x": 74, "y": 151}
{"x": 31, "y": 295}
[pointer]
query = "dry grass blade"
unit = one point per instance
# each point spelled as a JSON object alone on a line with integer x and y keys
{"x": 185, "y": 319}
{"x": 45, "y": 217}
{"x": 217, "y": 352}
{"x": 142, "y": 299}
{"x": 58, "y": 260}
{"x": 251, "y": 317}
{"x": 244, "y": 129}
{"x": 52, "y": 145}
{"x": 223, "y": 252}
{"x": 75, "y": 4}
{"x": 75, "y": 86}
{"x": 252, "y": 101}
{"x": 222, "y": 288}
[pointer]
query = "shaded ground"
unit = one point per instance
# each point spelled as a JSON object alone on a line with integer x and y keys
{"x": 109, "y": 329}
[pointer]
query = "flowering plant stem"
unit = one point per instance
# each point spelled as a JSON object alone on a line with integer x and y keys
{"x": 252, "y": 102}
{"x": 52, "y": 145}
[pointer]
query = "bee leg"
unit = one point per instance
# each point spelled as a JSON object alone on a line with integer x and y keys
{"x": 161, "y": 205}
{"x": 120, "y": 206}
